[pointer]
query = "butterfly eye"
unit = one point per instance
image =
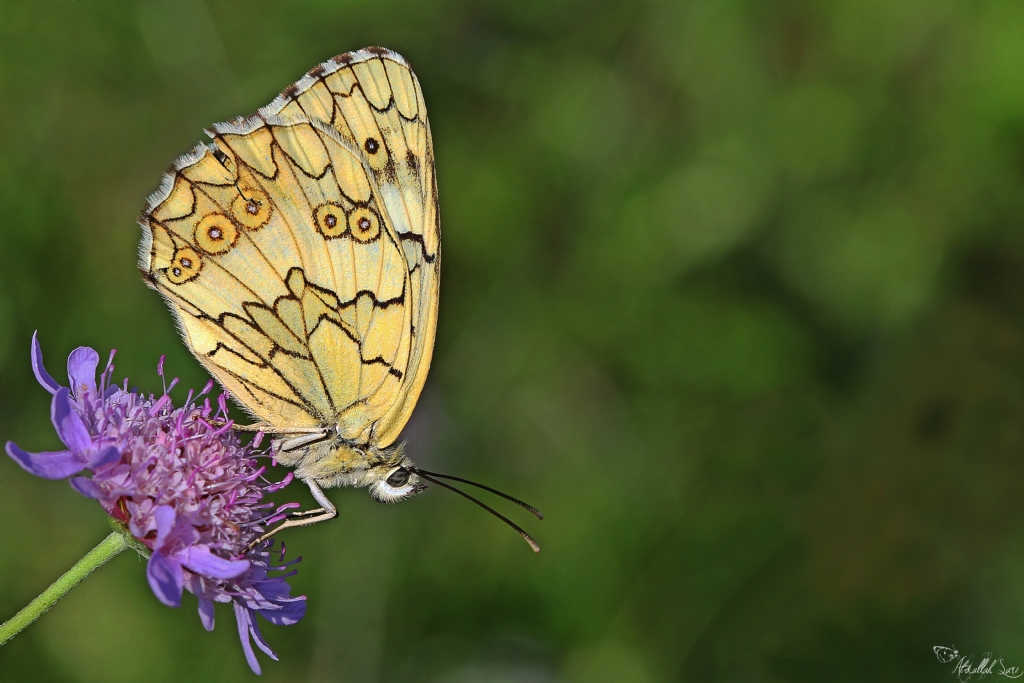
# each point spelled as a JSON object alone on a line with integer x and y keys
{"x": 371, "y": 145}
{"x": 398, "y": 477}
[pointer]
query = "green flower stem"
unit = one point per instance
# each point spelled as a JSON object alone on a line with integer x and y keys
{"x": 94, "y": 559}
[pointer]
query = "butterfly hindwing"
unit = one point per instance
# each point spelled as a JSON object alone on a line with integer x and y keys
{"x": 276, "y": 248}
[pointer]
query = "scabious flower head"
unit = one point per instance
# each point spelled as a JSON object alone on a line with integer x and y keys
{"x": 182, "y": 484}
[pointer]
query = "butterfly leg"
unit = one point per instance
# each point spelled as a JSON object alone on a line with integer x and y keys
{"x": 248, "y": 428}
{"x": 325, "y": 512}
{"x": 304, "y": 439}
{"x": 268, "y": 429}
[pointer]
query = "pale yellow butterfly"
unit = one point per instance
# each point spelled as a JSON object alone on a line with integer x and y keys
{"x": 300, "y": 255}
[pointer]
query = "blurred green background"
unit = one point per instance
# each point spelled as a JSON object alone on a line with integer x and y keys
{"x": 732, "y": 291}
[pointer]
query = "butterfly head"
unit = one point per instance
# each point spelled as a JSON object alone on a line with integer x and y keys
{"x": 393, "y": 478}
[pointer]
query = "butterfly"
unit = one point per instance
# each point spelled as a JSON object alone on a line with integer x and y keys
{"x": 299, "y": 253}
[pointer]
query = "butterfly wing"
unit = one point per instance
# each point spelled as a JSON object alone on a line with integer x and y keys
{"x": 288, "y": 279}
{"x": 373, "y": 100}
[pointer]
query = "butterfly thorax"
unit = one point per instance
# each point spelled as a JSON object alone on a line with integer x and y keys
{"x": 334, "y": 461}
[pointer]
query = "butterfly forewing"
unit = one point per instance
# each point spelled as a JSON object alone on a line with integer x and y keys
{"x": 300, "y": 250}
{"x": 374, "y": 101}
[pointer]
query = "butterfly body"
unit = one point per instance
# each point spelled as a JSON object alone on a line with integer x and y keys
{"x": 300, "y": 252}
{"x": 334, "y": 461}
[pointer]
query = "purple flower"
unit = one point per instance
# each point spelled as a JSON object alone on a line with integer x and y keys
{"x": 183, "y": 485}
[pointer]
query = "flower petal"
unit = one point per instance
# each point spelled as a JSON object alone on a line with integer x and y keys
{"x": 200, "y": 560}
{"x": 42, "y": 376}
{"x": 289, "y": 613}
{"x": 243, "y": 616}
{"x": 87, "y": 487}
{"x": 165, "y": 517}
{"x": 82, "y": 364}
{"x": 50, "y": 465}
{"x": 68, "y": 423}
{"x": 254, "y": 630}
{"x": 104, "y": 456}
{"x": 166, "y": 578}
{"x": 206, "y": 613}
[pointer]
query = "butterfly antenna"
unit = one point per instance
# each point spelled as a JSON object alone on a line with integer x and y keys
{"x": 526, "y": 536}
{"x": 537, "y": 513}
